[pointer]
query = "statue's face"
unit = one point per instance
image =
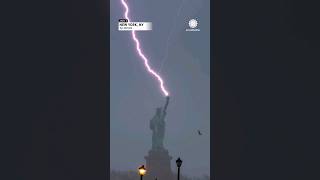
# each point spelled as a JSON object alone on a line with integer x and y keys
{"x": 158, "y": 111}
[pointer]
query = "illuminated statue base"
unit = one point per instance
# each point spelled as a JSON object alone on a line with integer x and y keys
{"x": 158, "y": 165}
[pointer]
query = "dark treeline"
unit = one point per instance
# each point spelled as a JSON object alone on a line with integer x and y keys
{"x": 132, "y": 175}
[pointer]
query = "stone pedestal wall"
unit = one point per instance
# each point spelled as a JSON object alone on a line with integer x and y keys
{"x": 158, "y": 164}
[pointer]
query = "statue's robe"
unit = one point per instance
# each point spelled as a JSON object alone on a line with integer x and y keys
{"x": 157, "y": 125}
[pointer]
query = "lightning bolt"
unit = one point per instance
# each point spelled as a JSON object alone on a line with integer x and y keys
{"x": 140, "y": 53}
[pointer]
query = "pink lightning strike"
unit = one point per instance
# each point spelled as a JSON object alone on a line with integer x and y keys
{"x": 134, "y": 37}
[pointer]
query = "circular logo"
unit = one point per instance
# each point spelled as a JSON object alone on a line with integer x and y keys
{"x": 193, "y": 23}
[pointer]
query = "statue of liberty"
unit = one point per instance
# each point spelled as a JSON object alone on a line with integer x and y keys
{"x": 157, "y": 125}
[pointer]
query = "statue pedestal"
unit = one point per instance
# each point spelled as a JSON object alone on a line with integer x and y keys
{"x": 158, "y": 165}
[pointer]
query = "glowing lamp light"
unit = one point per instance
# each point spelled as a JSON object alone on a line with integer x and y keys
{"x": 142, "y": 170}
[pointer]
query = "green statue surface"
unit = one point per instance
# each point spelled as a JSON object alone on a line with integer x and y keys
{"x": 157, "y": 125}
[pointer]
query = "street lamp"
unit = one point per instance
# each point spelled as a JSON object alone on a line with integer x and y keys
{"x": 179, "y": 162}
{"x": 142, "y": 171}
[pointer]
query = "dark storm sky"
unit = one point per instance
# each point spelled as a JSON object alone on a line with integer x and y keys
{"x": 135, "y": 94}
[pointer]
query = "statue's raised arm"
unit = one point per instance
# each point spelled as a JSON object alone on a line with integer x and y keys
{"x": 166, "y": 105}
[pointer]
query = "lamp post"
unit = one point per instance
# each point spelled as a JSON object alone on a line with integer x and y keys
{"x": 142, "y": 171}
{"x": 179, "y": 162}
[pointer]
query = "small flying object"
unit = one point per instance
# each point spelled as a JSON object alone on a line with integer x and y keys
{"x": 199, "y": 132}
